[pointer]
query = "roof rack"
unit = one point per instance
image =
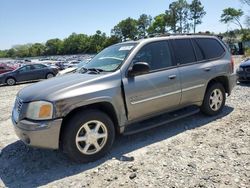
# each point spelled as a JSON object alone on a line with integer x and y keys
{"x": 181, "y": 34}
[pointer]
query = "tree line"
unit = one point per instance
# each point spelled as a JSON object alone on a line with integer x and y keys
{"x": 180, "y": 17}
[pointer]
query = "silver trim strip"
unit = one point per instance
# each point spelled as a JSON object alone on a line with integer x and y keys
{"x": 156, "y": 97}
{"x": 194, "y": 87}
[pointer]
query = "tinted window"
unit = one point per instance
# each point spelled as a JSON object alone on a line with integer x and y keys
{"x": 39, "y": 66}
{"x": 25, "y": 68}
{"x": 156, "y": 54}
{"x": 2, "y": 68}
{"x": 211, "y": 47}
{"x": 184, "y": 51}
{"x": 199, "y": 53}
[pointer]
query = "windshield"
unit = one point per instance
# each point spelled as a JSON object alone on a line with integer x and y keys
{"x": 111, "y": 58}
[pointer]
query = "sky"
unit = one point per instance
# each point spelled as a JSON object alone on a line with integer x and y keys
{"x": 30, "y": 21}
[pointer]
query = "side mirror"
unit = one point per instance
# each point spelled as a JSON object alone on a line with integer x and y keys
{"x": 139, "y": 68}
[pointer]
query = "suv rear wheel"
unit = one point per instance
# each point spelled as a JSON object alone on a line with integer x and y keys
{"x": 88, "y": 136}
{"x": 214, "y": 100}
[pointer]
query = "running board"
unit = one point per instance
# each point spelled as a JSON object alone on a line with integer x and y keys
{"x": 160, "y": 120}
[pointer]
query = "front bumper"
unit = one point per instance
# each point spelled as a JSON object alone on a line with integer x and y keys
{"x": 243, "y": 76}
{"x": 41, "y": 134}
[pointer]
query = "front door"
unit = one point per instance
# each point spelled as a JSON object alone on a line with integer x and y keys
{"x": 26, "y": 73}
{"x": 156, "y": 91}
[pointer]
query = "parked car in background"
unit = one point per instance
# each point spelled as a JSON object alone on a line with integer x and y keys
{"x": 73, "y": 69}
{"x": 5, "y": 68}
{"x": 243, "y": 72}
{"x": 28, "y": 73}
{"x": 71, "y": 64}
{"x": 126, "y": 88}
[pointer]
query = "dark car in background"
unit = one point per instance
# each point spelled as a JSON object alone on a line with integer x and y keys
{"x": 243, "y": 72}
{"x": 5, "y": 68}
{"x": 28, "y": 73}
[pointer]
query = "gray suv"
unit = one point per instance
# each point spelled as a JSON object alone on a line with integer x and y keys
{"x": 126, "y": 88}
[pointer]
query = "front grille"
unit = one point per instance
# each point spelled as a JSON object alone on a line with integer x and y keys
{"x": 247, "y": 69}
{"x": 18, "y": 104}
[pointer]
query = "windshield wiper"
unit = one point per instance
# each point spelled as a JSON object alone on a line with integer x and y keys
{"x": 95, "y": 70}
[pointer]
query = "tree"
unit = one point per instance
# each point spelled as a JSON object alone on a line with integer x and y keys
{"x": 37, "y": 49}
{"x": 54, "y": 47}
{"x": 178, "y": 16}
{"x": 197, "y": 12}
{"x": 158, "y": 25}
{"x": 231, "y": 15}
{"x": 143, "y": 23}
{"x": 246, "y": 2}
{"x": 126, "y": 29}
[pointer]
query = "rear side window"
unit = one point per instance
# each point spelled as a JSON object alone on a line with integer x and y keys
{"x": 199, "y": 53}
{"x": 39, "y": 66}
{"x": 184, "y": 51}
{"x": 210, "y": 47}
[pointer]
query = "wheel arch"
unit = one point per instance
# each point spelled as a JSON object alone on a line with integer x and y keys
{"x": 10, "y": 77}
{"x": 222, "y": 80}
{"x": 104, "y": 107}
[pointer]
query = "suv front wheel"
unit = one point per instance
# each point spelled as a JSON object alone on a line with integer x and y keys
{"x": 88, "y": 136}
{"x": 214, "y": 100}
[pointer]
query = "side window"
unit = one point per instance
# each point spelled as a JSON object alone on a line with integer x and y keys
{"x": 38, "y": 66}
{"x": 2, "y": 68}
{"x": 156, "y": 54}
{"x": 25, "y": 68}
{"x": 199, "y": 53}
{"x": 184, "y": 51}
{"x": 211, "y": 47}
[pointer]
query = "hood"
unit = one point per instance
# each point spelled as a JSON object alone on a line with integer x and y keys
{"x": 53, "y": 89}
{"x": 245, "y": 63}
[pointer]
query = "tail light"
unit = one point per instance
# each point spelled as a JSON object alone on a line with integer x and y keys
{"x": 232, "y": 64}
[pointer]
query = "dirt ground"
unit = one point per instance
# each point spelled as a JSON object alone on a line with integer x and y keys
{"x": 197, "y": 151}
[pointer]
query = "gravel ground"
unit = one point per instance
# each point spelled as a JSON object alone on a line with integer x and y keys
{"x": 197, "y": 151}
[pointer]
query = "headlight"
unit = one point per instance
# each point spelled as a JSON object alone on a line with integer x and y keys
{"x": 40, "y": 110}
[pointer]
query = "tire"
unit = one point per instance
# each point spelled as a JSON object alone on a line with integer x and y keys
{"x": 214, "y": 100}
{"x": 85, "y": 149}
{"x": 49, "y": 75}
{"x": 10, "y": 81}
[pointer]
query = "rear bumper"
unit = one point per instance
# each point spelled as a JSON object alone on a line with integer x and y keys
{"x": 41, "y": 134}
{"x": 232, "y": 82}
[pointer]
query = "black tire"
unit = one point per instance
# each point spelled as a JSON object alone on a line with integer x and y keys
{"x": 74, "y": 125}
{"x": 206, "y": 106}
{"x": 49, "y": 75}
{"x": 10, "y": 81}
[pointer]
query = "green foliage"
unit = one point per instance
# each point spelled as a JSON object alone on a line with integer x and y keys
{"x": 143, "y": 24}
{"x": 54, "y": 47}
{"x": 232, "y": 15}
{"x": 197, "y": 12}
{"x": 247, "y": 52}
{"x": 126, "y": 29}
{"x": 246, "y": 35}
{"x": 159, "y": 24}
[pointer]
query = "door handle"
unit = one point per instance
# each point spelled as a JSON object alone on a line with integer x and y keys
{"x": 207, "y": 69}
{"x": 172, "y": 77}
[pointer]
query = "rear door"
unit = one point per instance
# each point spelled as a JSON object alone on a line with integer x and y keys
{"x": 40, "y": 71}
{"x": 157, "y": 90}
{"x": 195, "y": 68}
